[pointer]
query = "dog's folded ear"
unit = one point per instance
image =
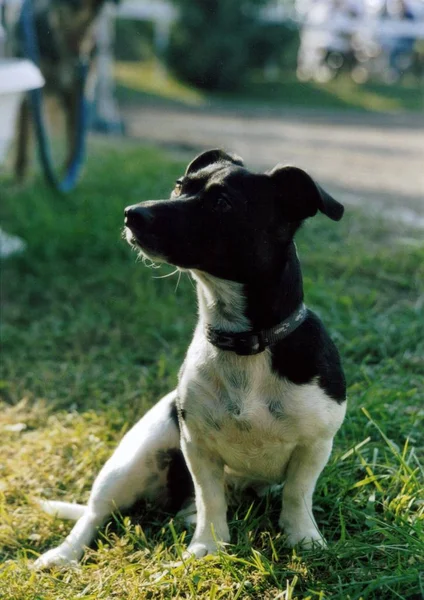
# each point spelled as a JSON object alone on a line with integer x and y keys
{"x": 210, "y": 157}
{"x": 301, "y": 197}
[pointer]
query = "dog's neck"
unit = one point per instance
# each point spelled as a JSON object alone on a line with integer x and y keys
{"x": 222, "y": 304}
{"x": 260, "y": 304}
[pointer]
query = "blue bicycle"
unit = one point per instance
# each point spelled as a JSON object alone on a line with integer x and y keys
{"x": 76, "y": 158}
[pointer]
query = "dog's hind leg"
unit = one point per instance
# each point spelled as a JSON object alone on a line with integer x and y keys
{"x": 140, "y": 467}
{"x": 22, "y": 141}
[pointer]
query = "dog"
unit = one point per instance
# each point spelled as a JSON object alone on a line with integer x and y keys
{"x": 261, "y": 392}
{"x": 64, "y": 30}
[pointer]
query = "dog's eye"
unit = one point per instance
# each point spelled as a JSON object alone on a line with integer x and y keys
{"x": 177, "y": 189}
{"x": 223, "y": 203}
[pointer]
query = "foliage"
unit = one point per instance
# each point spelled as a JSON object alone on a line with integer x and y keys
{"x": 216, "y": 42}
{"x": 133, "y": 40}
{"x": 275, "y": 44}
{"x": 91, "y": 340}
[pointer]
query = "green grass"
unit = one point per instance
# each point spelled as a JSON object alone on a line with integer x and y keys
{"x": 149, "y": 82}
{"x": 341, "y": 93}
{"x": 91, "y": 340}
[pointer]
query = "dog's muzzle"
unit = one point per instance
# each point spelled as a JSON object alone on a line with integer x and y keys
{"x": 138, "y": 217}
{"x": 139, "y": 232}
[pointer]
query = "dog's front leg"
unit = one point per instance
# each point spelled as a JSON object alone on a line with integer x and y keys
{"x": 305, "y": 466}
{"x": 207, "y": 471}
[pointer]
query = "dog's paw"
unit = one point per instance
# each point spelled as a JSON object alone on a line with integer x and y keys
{"x": 201, "y": 548}
{"x": 306, "y": 539}
{"x": 57, "y": 557}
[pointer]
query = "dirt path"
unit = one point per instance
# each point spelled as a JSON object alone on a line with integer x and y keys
{"x": 373, "y": 160}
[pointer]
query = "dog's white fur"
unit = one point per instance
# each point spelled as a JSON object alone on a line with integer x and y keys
{"x": 233, "y": 440}
{"x": 252, "y": 444}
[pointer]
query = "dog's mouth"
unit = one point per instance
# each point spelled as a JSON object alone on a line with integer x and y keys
{"x": 130, "y": 236}
{"x": 134, "y": 241}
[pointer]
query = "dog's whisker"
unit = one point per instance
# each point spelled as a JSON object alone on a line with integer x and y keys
{"x": 191, "y": 281}
{"x": 148, "y": 262}
{"x": 178, "y": 280}
{"x": 167, "y": 275}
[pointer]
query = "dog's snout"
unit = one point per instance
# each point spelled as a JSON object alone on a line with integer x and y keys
{"x": 137, "y": 215}
{"x": 127, "y": 210}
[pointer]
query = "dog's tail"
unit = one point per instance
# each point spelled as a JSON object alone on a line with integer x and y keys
{"x": 62, "y": 510}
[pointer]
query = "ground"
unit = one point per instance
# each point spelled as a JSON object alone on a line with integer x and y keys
{"x": 91, "y": 339}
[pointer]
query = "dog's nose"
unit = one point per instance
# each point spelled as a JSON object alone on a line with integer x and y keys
{"x": 137, "y": 215}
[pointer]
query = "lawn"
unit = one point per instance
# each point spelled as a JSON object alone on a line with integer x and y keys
{"x": 139, "y": 82}
{"x": 91, "y": 339}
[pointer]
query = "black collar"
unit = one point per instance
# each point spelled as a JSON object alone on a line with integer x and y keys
{"x": 247, "y": 343}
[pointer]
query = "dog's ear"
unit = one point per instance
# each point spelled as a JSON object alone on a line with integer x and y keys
{"x": 212, "y": 156}
{"x": 301, "y": 197}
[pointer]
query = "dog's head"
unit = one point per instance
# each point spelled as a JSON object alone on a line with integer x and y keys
{"x": 226, "y": 221}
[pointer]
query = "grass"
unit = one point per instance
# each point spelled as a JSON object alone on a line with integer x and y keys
{"x": 149, "y": 82}
{"x": 91, "y": 340}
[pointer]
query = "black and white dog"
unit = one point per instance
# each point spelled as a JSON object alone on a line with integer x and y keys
{"x": 261, "y": 392}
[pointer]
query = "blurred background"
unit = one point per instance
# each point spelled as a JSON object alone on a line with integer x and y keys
{"x": 312, "y": 53}
{"x": 189, "y": 75}
{"x": 334, "y": 86}
{"x": 218, "y": 45}
{"x": 359, "y": 54}
{"x": 222, "y": 46}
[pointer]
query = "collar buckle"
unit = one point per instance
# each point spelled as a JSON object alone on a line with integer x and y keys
{"x": 254, "y": 343}
{"x": 244, "y": 344}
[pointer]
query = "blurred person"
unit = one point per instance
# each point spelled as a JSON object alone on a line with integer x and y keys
{"x": 325, "y": 38}
{"x": 399, "y": 48}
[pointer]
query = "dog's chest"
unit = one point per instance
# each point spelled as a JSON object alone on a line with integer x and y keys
{"x": 238, "y": 408}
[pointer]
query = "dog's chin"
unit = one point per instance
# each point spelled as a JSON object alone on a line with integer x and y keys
{"x": 146, "y": 254}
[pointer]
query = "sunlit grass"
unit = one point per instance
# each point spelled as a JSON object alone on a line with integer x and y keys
{"x": 152, "y": 78}
{"x": 375, "y": 97}
{"x": 91, "y": 340}
{"x": 339, "y": 93}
